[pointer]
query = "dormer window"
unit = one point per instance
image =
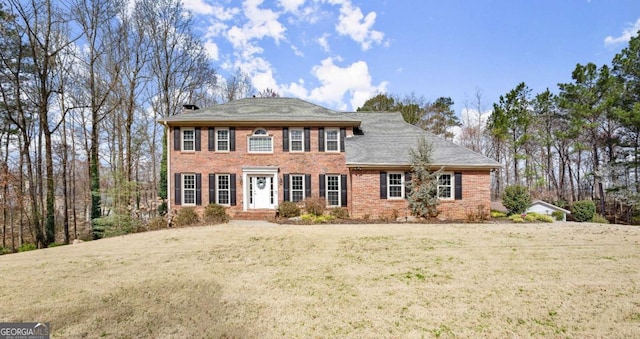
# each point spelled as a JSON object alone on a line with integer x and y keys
{"x": 260, "y": 142}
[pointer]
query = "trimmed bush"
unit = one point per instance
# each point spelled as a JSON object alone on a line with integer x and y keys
{"x": 559, "y": 216}
{"x": 516, "y": 218}
{"x": 114, "y": 225}
{"x": 156, "y": 223}
{"x": 215, "y": 214}
{"x": 288, "y": 209}
{"x": 498, "y": 214}
{"x": 187, "y": 216}
{"x": 516, "y": 199}
{"x": 598, "y": 219}
{"x": 315, "y": 206}
{"x": 583, "y": 210}
{"x": 342, "y": 213}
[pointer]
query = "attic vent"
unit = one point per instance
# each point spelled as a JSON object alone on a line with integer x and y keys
{"x": 357, "y": 131}
{"x": 190, "y": 107}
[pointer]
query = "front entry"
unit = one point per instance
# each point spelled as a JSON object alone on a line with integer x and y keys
{"x": 261, "y": 195}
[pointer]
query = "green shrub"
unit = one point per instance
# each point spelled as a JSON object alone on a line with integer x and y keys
{"x": 316, "y": 219}
{"x": 545, "y": 218}
{"x": 187, "y": 216}
{"x": 215, "y": 214}
{"x": 4, "y": 250}
{"x": 516, "y": 218}
{"x": 530, "y": 217}
{"x": 498, "y": 214}
{"x": 315, "y": 206}
{"x": 27, "y": 247}
{"x": 584, "y": 210}
{"x": 114, "y": 225}
{"x": 599, "y": 219}
{"x": 516, "y": 199}
{"x": 557, "y": 215}
{"x": 288, "y": 209}
{"x": 342, "y": 213}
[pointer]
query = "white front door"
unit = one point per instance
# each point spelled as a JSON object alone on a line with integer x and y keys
{"x": 261, "y": 191}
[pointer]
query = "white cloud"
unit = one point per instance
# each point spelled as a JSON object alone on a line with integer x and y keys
{"x": 297, "y": 51}
{"x": 197, "y": 6}
{"x": 627, "y": 34}
{"x": 357, "y": 26}
{"x": 336, "y": 82}
{"x": 291, "y": 5}
{"x": 322, "y": 41}
{"x": 261, "y": 23}
{"x": 212, "y": 50}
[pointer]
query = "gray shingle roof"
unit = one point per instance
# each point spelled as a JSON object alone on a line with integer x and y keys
{"x": 388, "y": 138}
{"x": 271, "y": 110}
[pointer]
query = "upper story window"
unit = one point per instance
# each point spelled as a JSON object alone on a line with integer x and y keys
{"x": 395, "y": 185}
{"x": 445, "y": 186}
{"x": 332, "y": 140}
{"x": 222, "y": 139}
{"x": 188, "y": 139}
{"x": 260, "y": 142}
{"x": 296, "y": 139}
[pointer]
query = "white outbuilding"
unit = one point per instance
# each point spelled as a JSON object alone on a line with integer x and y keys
{"x": 541, "y": 207}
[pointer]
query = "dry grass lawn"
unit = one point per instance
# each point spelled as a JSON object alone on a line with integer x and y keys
{"x": 362, "y": 281}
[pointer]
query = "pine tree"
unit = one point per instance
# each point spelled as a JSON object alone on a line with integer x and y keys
{"x": 423, "y": 187}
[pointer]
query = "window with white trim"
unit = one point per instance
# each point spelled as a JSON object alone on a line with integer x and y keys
{"x": 333, "y": 190}
{"x": 222, "y": 139}
{"x": 188, "y": 139}
{"x": 296, "y": 139}
{"x": 445, "y": 186}
{"x": 332, "y": 140}
{"x": 296, "y": 187}
{"x": 260, "y": 142}
{"x": 395, "y": 185}
{"x": 188, "y": 189}
{"x": 223, "y": 185}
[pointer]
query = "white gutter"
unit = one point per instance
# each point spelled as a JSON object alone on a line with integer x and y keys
{"x": 168, "y": 168}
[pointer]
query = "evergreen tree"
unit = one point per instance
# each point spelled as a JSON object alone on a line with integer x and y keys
{"x": 423, "y": 187}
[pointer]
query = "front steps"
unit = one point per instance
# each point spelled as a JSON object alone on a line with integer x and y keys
{"x": 255, "y": 215}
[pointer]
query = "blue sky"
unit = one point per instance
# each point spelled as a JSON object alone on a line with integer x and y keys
{"x": 338, "y": 53}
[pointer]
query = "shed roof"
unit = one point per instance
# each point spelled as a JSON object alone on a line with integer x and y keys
{"x": 549, "y": 206}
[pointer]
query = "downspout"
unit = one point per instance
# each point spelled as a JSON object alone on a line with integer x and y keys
{"x": 168, "y": 168}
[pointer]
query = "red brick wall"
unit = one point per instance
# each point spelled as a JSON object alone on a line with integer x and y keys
{"x": 363, "y": 186}
{"x": 205, "y": 162}
{"x": 365, "y": 197}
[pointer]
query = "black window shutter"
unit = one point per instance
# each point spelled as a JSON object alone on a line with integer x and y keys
{"x": 176, "y": 139}
{"x": 458, "y": 184}
{"x": 343, "y": 189}
{"x": 285, "y": 139}
{"x": 307, "y": 185}
{"x": 321, "y": 139}
{"x": 285, "y": 187}
{"x": 197, "y": 130}
{"x": 212, "y": 139}
{"x": 232, "y": 190}
{"x": 232, "y": 139}
{"x": 198, "y": 189}
{"x": 321, "y": 185}
{"x": 177, "y": 185}
{"x": 307, "y": 139}
{"x": 407, "y": 183}
{"x": 383, "y": 185}
{"x": 343, "y": 135}
{"x": 212, "y": 188}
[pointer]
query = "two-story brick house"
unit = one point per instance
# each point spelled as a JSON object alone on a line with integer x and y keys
{"x": 252, "y": 154}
